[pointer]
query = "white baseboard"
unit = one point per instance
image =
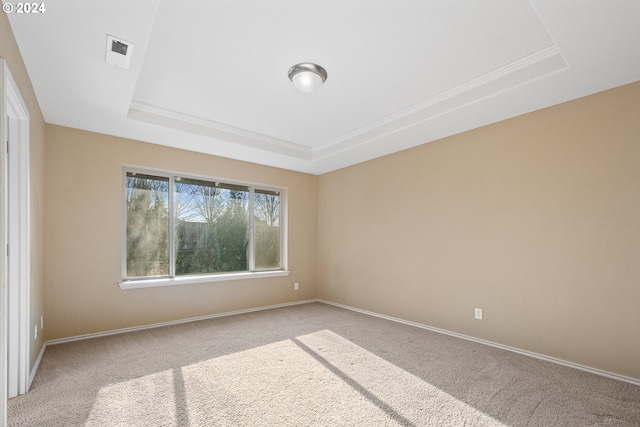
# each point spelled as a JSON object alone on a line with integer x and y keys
{"x": 589, "y": 369}
{"x": 36, "y": 365}
{"x": 154, "y": 325}
{"x": 173, "y": 322}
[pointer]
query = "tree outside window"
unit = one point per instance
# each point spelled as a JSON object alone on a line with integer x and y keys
{"x": 210, "y": 230}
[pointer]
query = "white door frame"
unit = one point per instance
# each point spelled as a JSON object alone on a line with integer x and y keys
{"x": 15, "y": 241}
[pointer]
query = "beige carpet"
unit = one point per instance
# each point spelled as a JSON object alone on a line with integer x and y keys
{"x": 310, "y": 365}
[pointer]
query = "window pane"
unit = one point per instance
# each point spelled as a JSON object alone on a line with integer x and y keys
{"x": 267, "y": 230}
{"x": 147, "y": 225}
{"x": 211, "y": 226}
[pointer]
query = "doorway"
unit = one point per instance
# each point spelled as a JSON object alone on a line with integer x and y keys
{"x": 14, "y": 238}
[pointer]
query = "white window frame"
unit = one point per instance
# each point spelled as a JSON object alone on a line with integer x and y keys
{"x": 172, "y": 279}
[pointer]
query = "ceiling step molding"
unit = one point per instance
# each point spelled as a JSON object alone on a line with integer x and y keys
{"x": 525, "y": 70}
{"x": 196, "y": 125}
{"x": 522, "y": 71}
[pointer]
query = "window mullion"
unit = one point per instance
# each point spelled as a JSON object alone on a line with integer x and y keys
{"x": 283, "y": 222}
{"x": 172, "y": 229}
{"x": 252, "y": 264}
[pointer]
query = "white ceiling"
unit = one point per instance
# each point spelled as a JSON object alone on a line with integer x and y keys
{"x": 211, "y": 76}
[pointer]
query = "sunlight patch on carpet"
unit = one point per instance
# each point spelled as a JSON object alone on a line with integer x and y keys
{"x": 319, "y": 379}
{"x": 394, "y": 389}
{"x": 148, "y": 400}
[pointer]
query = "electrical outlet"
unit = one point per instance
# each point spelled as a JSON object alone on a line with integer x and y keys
{"x": 42, "y": 322}
{"x": 295, "y": 286}
{"x": 478, "y": 313}
{"x": 35, "y": 332}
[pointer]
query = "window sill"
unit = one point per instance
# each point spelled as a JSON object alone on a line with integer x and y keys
{"x": 186, "y": 280}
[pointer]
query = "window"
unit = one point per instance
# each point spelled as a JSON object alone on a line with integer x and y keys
{"x": 177, "y": 226}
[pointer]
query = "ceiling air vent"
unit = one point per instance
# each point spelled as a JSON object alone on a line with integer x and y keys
{"x": 118, "y": 52}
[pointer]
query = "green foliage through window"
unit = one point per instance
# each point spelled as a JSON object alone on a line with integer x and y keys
{"x": 208, "y": 224}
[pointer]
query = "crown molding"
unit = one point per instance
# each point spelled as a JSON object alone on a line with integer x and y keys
{"x": 522, "y": 71}
{"x": 517, "y": 73}
{"x": 209, "y": 128}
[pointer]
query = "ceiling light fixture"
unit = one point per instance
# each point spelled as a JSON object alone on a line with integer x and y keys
{"x": 307, "y": 77}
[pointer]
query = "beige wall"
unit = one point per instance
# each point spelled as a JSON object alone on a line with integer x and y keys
{"x": 9, "y": 52}
{"x": 84, "y": 237}
{"x": 536, "y": 220}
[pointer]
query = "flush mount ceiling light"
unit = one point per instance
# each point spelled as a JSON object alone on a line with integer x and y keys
{"x": 307, "y": 77}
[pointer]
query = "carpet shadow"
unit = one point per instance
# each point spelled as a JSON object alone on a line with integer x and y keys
{"x": 390, "y": 411}
{"x": 509, "y": 388}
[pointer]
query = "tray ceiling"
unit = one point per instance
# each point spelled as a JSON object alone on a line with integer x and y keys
{"x": 211, "y": 76}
